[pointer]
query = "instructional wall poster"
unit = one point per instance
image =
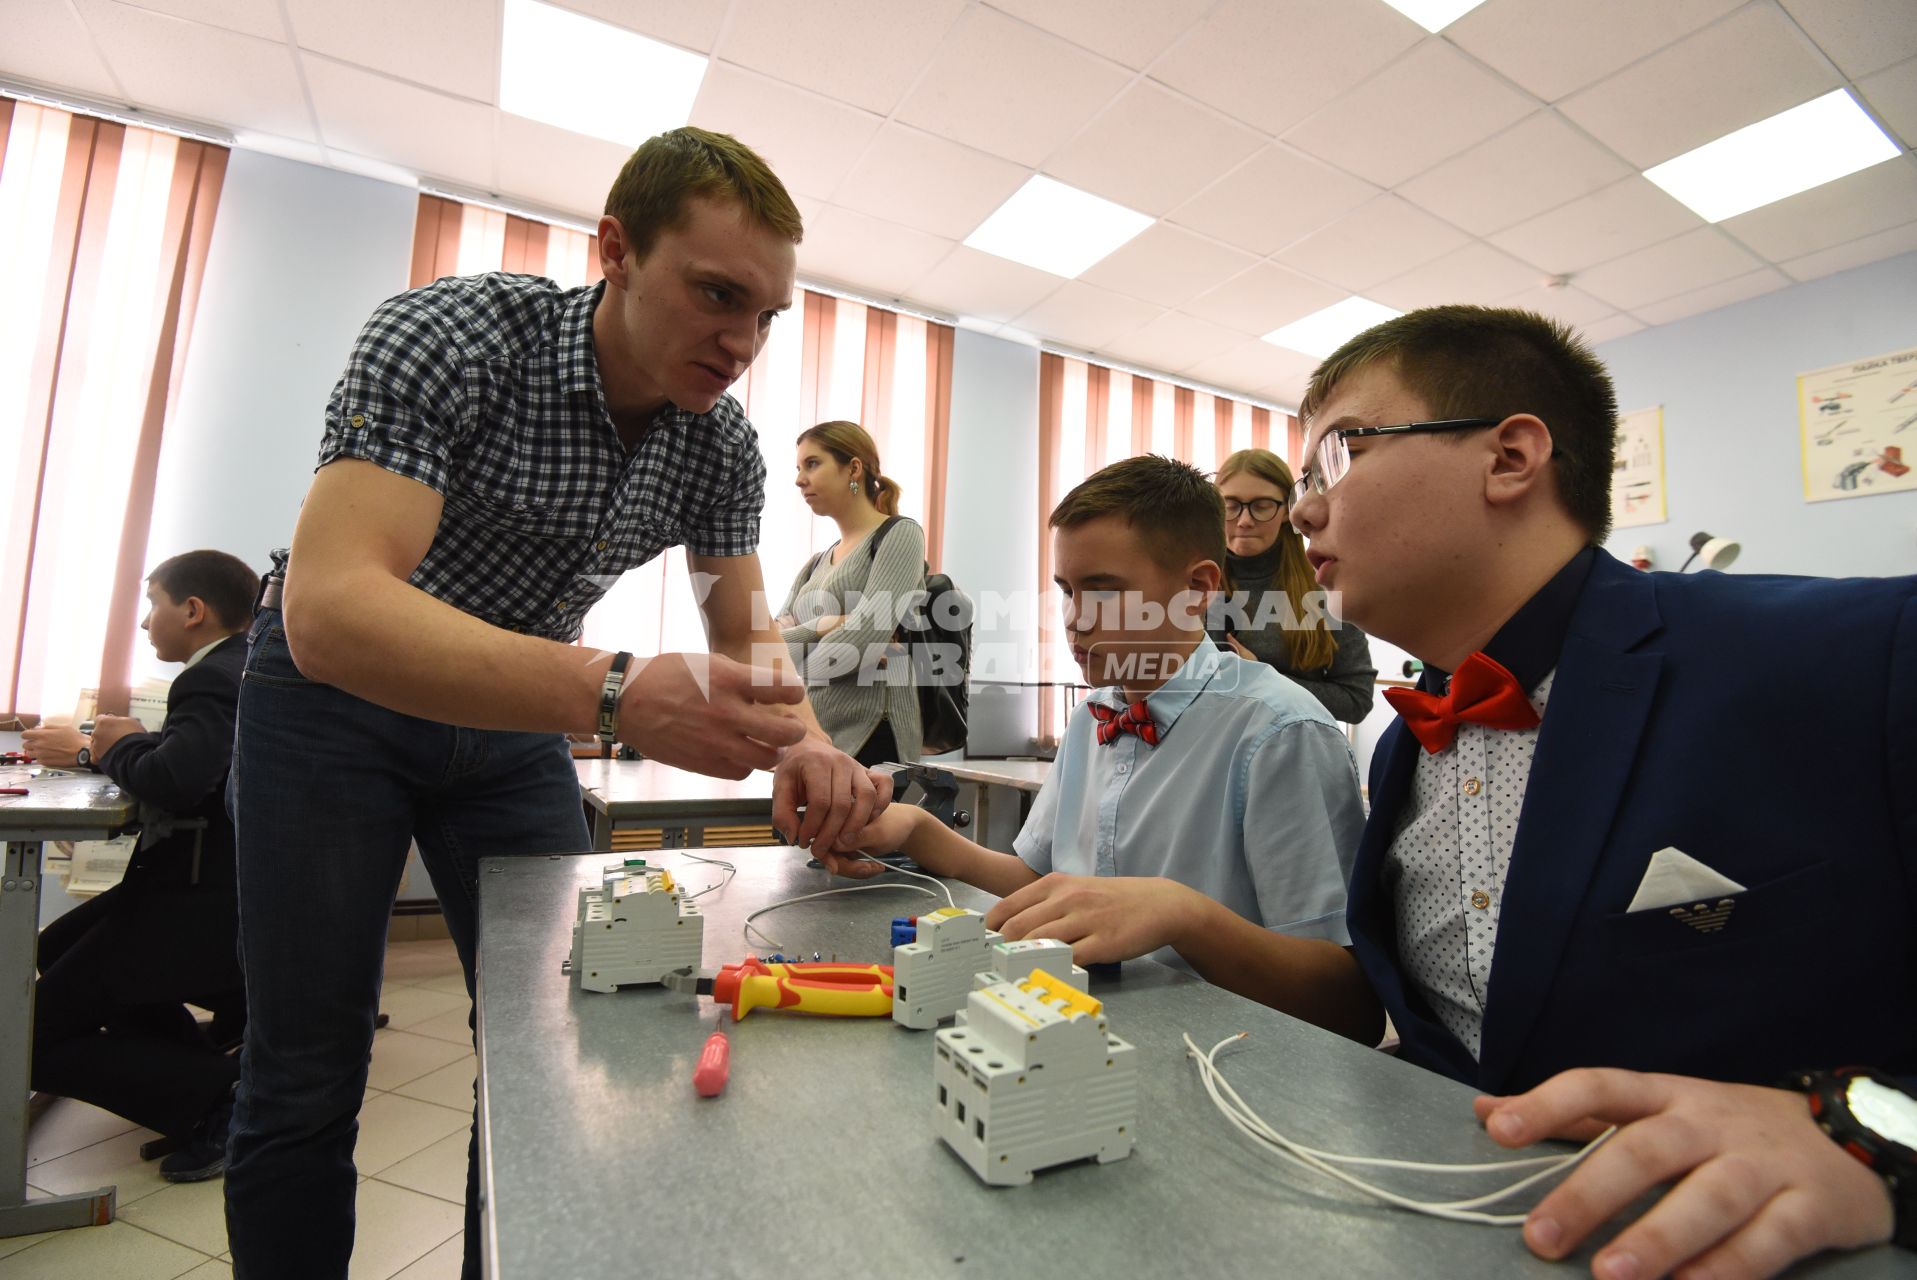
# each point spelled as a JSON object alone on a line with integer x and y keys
{"x": 1637, "y": 475}
{"x": 1859, "y": 427}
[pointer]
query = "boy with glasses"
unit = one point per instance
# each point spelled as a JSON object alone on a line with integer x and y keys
{"x": 1600, "y": 845}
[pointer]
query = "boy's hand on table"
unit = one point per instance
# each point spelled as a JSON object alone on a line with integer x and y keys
{"x": 1758, "y": 1184}
{"x": 1105, "y": 918}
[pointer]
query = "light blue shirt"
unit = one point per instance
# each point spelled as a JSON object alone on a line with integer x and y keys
{"x": 1250, "y": 797}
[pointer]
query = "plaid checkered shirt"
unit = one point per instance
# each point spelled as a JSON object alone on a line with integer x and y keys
{"x": 486, "y": 390}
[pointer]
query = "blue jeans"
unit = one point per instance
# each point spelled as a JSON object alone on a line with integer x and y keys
{"x": 327, "y": 791}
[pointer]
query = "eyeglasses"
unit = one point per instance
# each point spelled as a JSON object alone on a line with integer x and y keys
{"x": 1262, "y": 509}
{"x": 1332, "y": 457}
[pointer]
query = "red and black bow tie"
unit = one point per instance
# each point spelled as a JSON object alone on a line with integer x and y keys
{"x": 1482, "y": 692}
{"x": 1135, "y": 719}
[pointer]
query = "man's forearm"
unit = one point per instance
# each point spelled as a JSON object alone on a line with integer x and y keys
{"x": 390, "y": 643}
{"x": 1307, "y": 978}
{"x": 945, "y": 852}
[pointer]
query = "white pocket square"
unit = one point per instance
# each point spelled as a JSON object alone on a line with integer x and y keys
{"x": 1675, "y": 877}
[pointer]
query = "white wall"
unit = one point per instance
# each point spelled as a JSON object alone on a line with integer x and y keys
{"x": 299, "y": 258}
{"x": 991, "y": 496}
{"x": 1728, "y": 382}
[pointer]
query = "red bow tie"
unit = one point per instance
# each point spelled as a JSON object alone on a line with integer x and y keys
{"x": 1482, "y": 691}
{"x": 1135, "y": 719}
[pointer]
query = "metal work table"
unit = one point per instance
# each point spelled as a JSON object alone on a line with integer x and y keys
{"x": 818, "y": 1160}
{"x": 85, "y": 806}
{"x": 674, "y": 808}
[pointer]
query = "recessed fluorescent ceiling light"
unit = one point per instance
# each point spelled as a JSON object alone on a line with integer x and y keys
{"x": 1323, "y": 332}
{"x": 589, "y": 77}
{"x": 1434, "y": 15}
{"x": 1802, "y": 148}
{"x": 1056, "y": 228}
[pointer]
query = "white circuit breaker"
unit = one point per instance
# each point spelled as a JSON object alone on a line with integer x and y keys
{"x": 636, "y": 926}
{"x": 951, "y": 954}
{"x": 1032, "y": 1077}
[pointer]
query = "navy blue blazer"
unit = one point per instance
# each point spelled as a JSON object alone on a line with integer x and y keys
{"x": 1766, "y": 726}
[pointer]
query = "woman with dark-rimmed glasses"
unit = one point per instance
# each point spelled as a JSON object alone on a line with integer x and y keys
{"x": 1280, "y": 616}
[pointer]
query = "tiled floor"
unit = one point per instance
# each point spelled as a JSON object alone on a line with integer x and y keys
{"x": 411, "y": 1157}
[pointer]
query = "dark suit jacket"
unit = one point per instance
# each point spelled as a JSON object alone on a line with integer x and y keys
{"x": 1767, "y": 727}
{"x": 180, "y": 773}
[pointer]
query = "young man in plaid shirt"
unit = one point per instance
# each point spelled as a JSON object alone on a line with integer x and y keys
{"x": 496, "y": 453}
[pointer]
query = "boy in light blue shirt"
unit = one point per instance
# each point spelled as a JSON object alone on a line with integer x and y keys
{"x": 1195, "y": 794}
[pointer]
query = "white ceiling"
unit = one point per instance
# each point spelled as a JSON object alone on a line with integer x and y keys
{"x": 1293, "y": 151}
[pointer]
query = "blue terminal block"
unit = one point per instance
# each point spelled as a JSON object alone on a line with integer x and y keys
{"x": 905, "y": 930}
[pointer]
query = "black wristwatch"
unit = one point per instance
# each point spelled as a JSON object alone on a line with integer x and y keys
{"x": 84, "y": 757}
{"x": 1873, "y": 1117}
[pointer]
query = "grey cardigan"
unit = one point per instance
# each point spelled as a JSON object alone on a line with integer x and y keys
{"x": 854, "y": 675}
{"x": 1345, "y": 687}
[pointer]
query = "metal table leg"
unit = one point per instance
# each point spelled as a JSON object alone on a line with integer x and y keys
{"x": 19, "y": 943}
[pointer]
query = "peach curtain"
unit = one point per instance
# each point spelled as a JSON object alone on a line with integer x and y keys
{"x": 107, "y": 228}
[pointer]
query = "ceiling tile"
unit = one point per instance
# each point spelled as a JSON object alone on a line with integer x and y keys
{"x": 690, "y": 24}
{"x": 1129, "y": 31}
{"x": 444, "y": 44}
{"x": 921, "y": 180}
{"x": 970, "y": 283}
{"x": 1079, "y": 315}
{"x": 1174, "y": 342}
{"x": 202, "y": 72}
{"x": 1167, "y": 265}
{"x": 1626, "y": 216}
{"x": 1537, "y": 164}
{"x": 867, "y": 253}
{"x": 1263, "y": 298}
{"x": 1476, "y": 273}
{"x": 567, "y": 172}
{"x": 1697, "y": 258}
{"x": 1566, "y": 304}
{"x": 1272, "y": 199}
{"x": 1858, "y": 253}
{"x": 1152, "y": 149}
{"x": 1746, "y": 68}
{"x": 1003, "y": 87}
{"x": 1377, "y": 241}
{"x": 811, "y": 142}
{"x": 48, "y": 45}
{"x": 1272, "y": 65}
{"x": 248, "y": 17}
{"x": 1426, "y": 107}
{"x": 1553, "y": 47}
{"x": 1711, "y": 297}
{"x": 1873, "y": 199}
{"x": 1892, "y": 95}
{"x": 416, "y": 129}
{"x": 1607, "y": 330}
{"x": 1251, "y": 367}
{"x": 1861, "y": 36}
{"x": 866, "y": 52}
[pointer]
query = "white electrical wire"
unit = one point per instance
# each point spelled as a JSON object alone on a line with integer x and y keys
{"x": 916, "y": 875}
{"x": 1235, "y": 1109}
{"x": 729, "y": 869}
{"x": 767, "y": 940}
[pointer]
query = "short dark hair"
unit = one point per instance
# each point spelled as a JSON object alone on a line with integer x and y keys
{"x": 1174, "y": 507}
{"x": 224, "y": 582}
{"x": 672, "y": 169}
{"x": 1493, "y": 362}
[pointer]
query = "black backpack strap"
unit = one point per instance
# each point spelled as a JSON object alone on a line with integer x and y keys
{"x": 878, "y": 536}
